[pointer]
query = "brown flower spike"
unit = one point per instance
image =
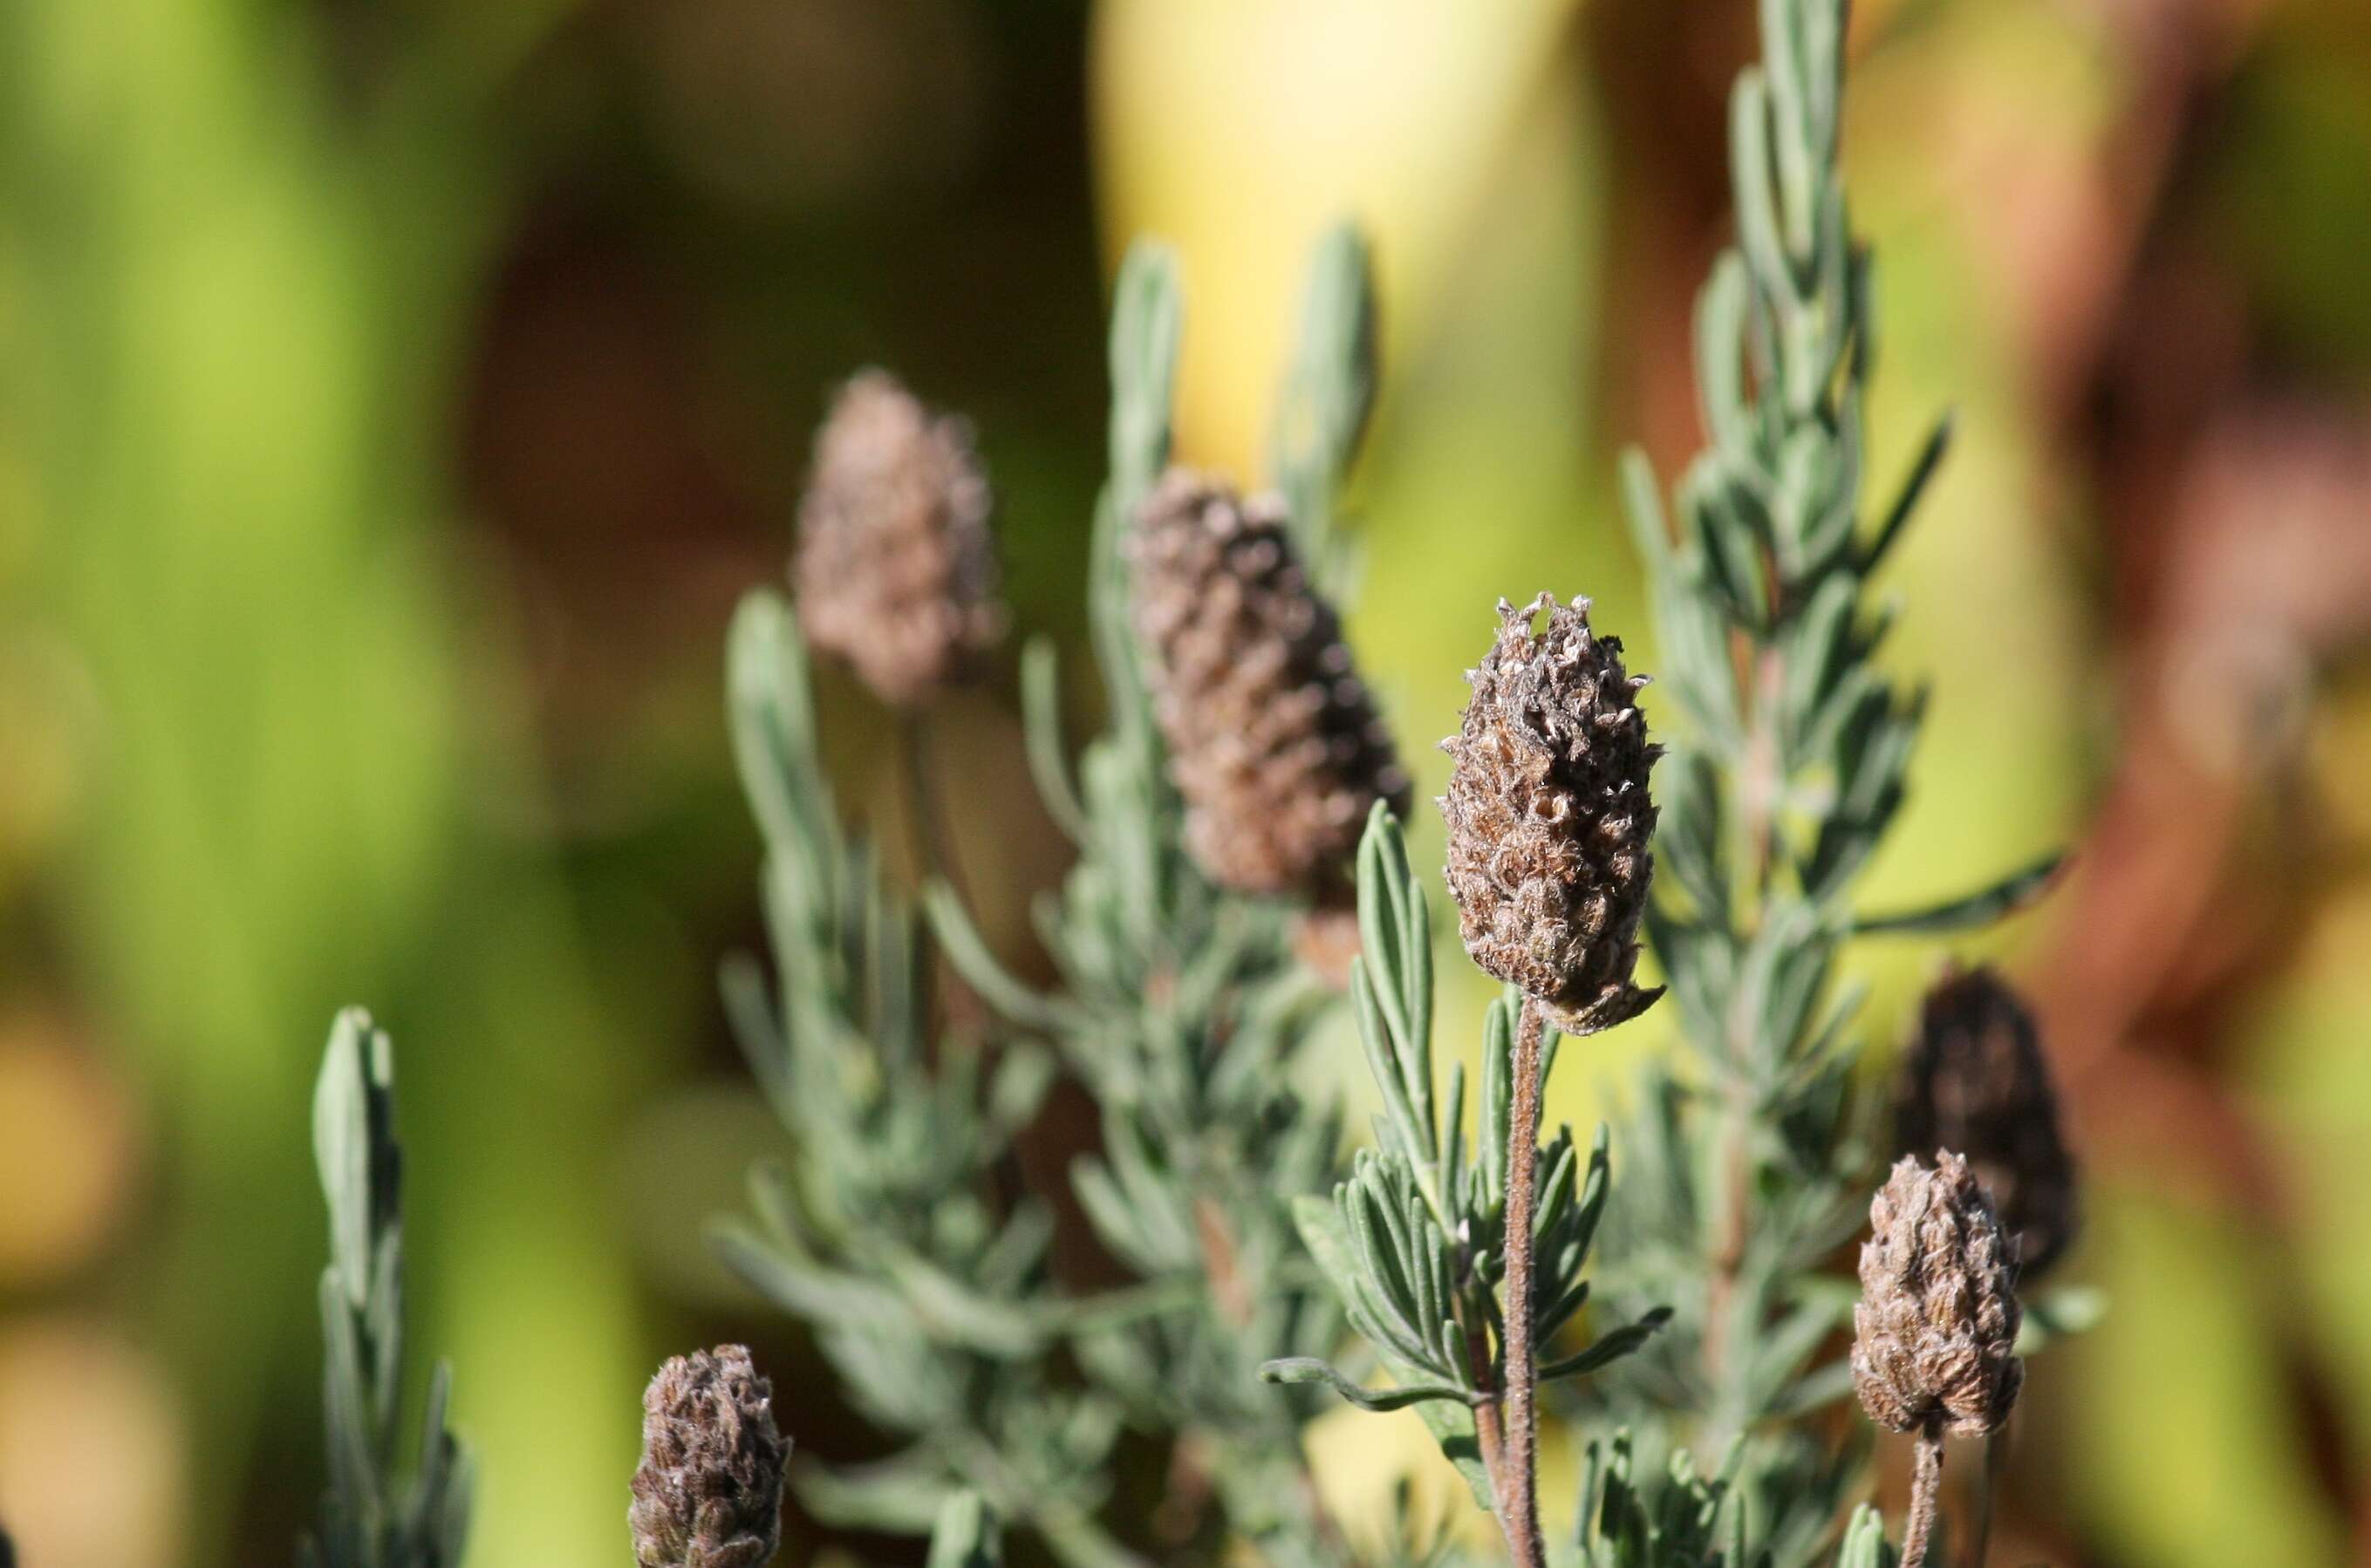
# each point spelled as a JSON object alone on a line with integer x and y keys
{"x": 1935, "y": 1330}
{"x": 1549, "y": 817}
{"x": 896, "y": 571}
{"x": 1274, "y": 741}
{"x": 1973, "y": 1080}
{"x": 709, "y": 1493}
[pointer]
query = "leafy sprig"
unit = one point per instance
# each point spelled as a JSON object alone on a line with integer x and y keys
{"x": 882, "y": 1229}
{"x": 1787, "y": 768}
{"x": 967, "y": 1534}
{"x": 378, "y": 1513}
{"x": 1181, "y": 1005}
{"x": 1414, "y": 1239}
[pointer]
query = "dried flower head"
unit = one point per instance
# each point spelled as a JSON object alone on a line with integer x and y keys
{"x": 1935, "y": 1330}
{"x": 896, "y": 571}
{"x": 1973, "y": 1080}
{"x": 1549, "y": 817}
{"x": 1273, "y": 739}
{"x": 709, "y": 1493}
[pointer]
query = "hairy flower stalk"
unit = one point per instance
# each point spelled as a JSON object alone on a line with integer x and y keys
{"x": 1935, "y": 1334}
{"x": 1548, "y": 818}
{"x": 709, "y": 1491}
{"x": 1973, "y": 1080}
{"x": 1518, "y": 1504}
{"x": 1274, "y": 741}
{"x": 896, "y": 570}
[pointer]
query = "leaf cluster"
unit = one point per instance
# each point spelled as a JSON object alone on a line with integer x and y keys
{"x": 883, "y": 1228}
{"x": 375, "y": 1514}
{"x": 1180, "y": 1008}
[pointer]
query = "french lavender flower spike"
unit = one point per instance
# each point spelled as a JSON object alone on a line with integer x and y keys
{"x": 1274, "y": 741}
{"x": 1550, "y": 820}
{"x": 1935, "y": 1333}
{"x": 1973, "y": 1079}
{"x": 709, "y": 1491}
{"x": 896, "y": 569}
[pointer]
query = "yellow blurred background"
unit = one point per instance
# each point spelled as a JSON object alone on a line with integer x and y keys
{"x": 394, "y": 395}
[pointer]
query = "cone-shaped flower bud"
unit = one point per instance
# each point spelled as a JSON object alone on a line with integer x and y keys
{"x": 1973, "y": 1080}
{"x": 896, "y": 571}
{"x": 1274, "y": 741}
{"x": 1935, "y": 1329}
{"x": 1550, "y": 819}
{"x": 709, "y": 1494}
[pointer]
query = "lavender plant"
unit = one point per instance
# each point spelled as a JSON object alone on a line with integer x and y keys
{"x": 1181, "y": 1004}
{"x": 1244, "y": 796}
{"x": 378, "y": 1513}
{"x": 1748, "y": 1165}
{"x": 1419, "y": 1240}
{"x": 1242, "y": 757}
{"x": 883, "y": 1229}
{"x": 1212, "y": 820}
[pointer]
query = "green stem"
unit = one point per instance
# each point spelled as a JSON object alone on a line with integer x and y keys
{"x": 1760, "y": 784}
{"x": 1517, "y": 1481}
{"x": 934, "y": 857}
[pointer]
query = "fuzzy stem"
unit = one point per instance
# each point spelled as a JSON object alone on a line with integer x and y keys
{"x": 935, "y": 850}
{"x": 934, "y": 856}
{"x": 1518, "y": 1487}
{"x": 1490, "y": 1415}
{"x": 1925, "y": 1492}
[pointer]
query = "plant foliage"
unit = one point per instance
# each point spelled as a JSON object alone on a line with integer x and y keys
{"x": 374, "y": 1515}
{"x": 1694, "y": 1310}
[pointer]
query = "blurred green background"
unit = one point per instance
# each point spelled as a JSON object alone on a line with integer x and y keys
{"x": 394, "y": 395}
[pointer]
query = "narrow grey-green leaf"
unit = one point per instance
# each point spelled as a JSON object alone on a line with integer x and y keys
{"x": 1309, "y": 1369}
{"x": 1609, "y": 1348}
{"x": 1969, "y": 912}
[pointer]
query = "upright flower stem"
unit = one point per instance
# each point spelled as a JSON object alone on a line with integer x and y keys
{"x": 934, "y": 857}
{"x": 934, "y": 845}
{"x": 1926, "y": 1491}
{"x": 1761, "y": 783}
{"x": 1517, "y": 1479}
